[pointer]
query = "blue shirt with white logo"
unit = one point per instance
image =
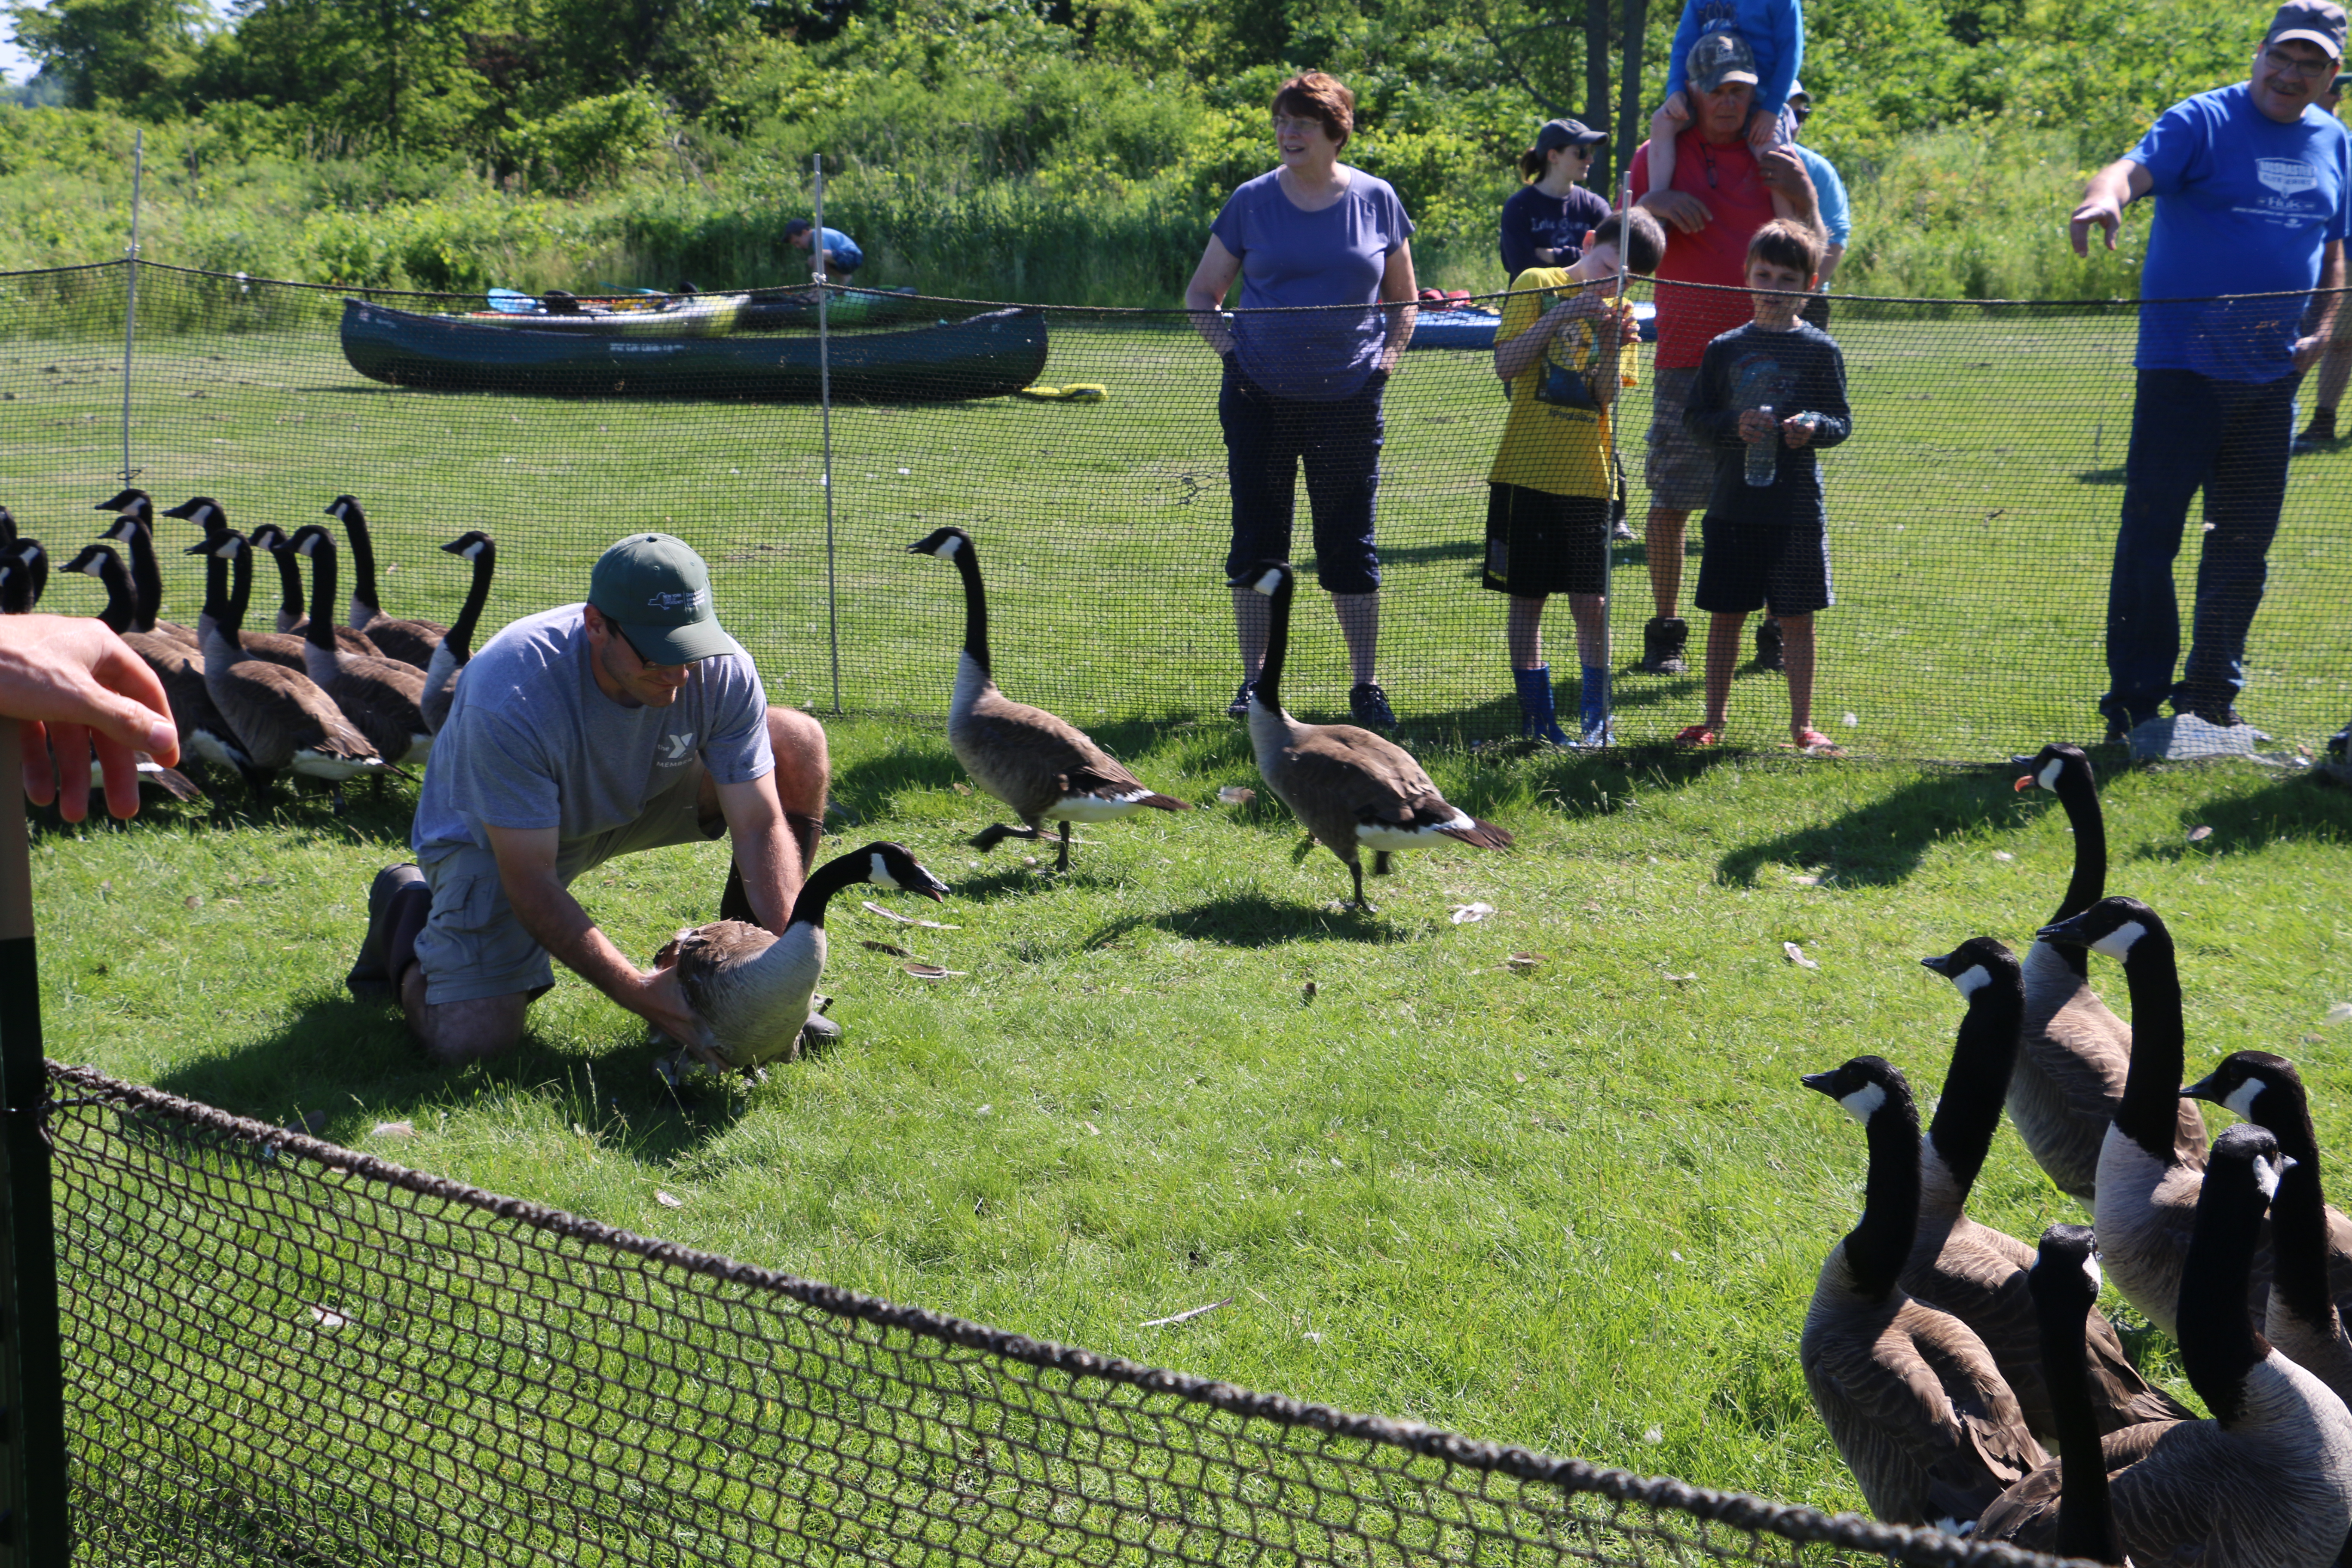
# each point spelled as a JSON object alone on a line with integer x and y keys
{"x": 2244, "y": 206}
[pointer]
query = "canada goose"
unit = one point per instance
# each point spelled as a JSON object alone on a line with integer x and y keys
{"x": 749, "y": 988}
{"x": 1911, "y": 1397}
{"x": 450, "y": 658}
{"x": 410, "y": 642}
{"x": 24, "y": 574}
{"x": 293, "y": 616}
{"x": 2147, "y": 1205}
{"x": 2063, "y": 1507}
{"x": 133, "y": 528}
{"x": 2311, "y": 1242}
{"x": 204, "y": 734}
{"x": 1041, "y": 767}
{"x": 382, "y": 697}
{"x": 2267, "y": 1482}
{"x": 273, "y": 647}
{"x": 281, "y": 718}
{"x": 2074, "y": 1052}
{"x": 1970, "y": 1271}
{"x": 1350, "y": 788}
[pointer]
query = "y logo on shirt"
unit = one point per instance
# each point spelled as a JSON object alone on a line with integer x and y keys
{"x": 676, "y": 749}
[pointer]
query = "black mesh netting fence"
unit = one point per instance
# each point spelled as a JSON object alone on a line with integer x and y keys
{"x": 283, "y": 1352}
{"x": 1973, "y": 516}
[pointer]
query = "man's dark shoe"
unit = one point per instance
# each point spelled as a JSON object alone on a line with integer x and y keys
{"x": 1768, "y": 645}
{"x": 369, "y": 980}
{"x": 1239, "y": 707}
{"x": 1368, "y": 705}
{"x": 1662, "y": 641}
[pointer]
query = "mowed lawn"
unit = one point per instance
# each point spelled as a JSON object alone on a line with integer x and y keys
{"x": 1972, "y": 518}
{"x": 1545, "y": 1176}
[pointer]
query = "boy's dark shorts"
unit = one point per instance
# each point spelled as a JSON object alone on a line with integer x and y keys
{"x": 1539, "y": 543}
{"x": 1755, "y": 566}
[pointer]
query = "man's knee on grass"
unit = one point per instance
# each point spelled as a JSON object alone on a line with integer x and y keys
{"x": 452, "y": 1034}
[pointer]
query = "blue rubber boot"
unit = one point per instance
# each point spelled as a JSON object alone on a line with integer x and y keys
{"x": 1537, "y": 720}
{"x": 1593, "y": 719}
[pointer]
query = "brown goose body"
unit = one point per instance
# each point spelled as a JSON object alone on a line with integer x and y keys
{"x": 411, "y": 642}
{"x": 1351, "y": 789}
{"x": 204, "y": 733}
{"x": 2267, "y": 1482}
{"x": 1912, "y": 1398}
{"x": 1045, "y": 768}
{"x": 2074, "y": 1052}
{"x": 383, "y": 698}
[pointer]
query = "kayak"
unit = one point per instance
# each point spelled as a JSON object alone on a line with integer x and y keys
{"x": 676, "y": 316}
{"x": 795, "y": 309}
{"x": 987, "y": 355}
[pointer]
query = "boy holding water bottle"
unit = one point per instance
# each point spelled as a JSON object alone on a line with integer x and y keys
{"x": 1767, "y": 394}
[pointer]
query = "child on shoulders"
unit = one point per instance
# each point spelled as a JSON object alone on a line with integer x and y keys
{"x": 1777, "y": 384}
{"x": 1774, "y": 31}
{"x": 1564, "y": 349}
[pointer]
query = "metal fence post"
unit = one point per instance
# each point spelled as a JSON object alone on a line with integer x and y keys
{"x": 825, "y": 414}
{"x": 130, "y": 295}
{"x": 33, "y": 1523}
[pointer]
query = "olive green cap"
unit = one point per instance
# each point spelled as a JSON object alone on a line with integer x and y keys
{"x": 656, "y": 589}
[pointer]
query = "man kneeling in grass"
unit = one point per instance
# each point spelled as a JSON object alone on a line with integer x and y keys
{"x": 1767, "y": 394}
{"x": 629, "y": 722}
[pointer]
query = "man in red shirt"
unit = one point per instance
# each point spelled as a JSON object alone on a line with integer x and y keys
{"x": 1722, "y": 193}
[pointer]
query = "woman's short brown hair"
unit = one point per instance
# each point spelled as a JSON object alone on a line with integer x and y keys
{"x": 1322, "y": 95}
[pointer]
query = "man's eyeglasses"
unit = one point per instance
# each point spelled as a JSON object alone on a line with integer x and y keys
{"x": 2309, "y": 70}
{"x": 651, "y": 666}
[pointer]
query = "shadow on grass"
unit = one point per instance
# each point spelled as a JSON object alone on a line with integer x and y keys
{"x": 2299, "y": 807}
{"x": 379, "y": 812}
{"x": 1256, "y": 920}
{"x": 344, "y": 1052}
{"x": 1883, "y": 843}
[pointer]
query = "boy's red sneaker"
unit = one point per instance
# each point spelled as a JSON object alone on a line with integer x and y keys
{"x": 1697, "y": 735}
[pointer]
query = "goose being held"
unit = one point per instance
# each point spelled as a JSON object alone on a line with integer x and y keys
{"x": 1972, "y": 1271}
{"x": 752, "y": 989}
{"x": 2074, "y": 1052}
{"x": 2311, "y": 1243}
{"x": 1047, "y": 770}
{"x": 456, "y": 650}
{"x": 383, "y": 698}
{"x": 410, "y": 642}
{"x": 1351, "y": 789}
{"x": 2146, "y": 1204}
{"x": 1914, "y": 1400}
{"x": 2267, "y": 1482}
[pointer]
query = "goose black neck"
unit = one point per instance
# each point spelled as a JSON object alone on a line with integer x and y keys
{"x": 321, "y": 629}
{"x": 2086, "y": 1524}
{"x": 146, "y": 576}
{"x": 362, "y": 558}
{"x": 808, "y": 908}
{"x": 1880, "y": 1241}
{"x": 1984, "y": 1052}
{"x": 227, "y": 584}
{"x": 1277, "y": 642}
{"x": 289, "y": 584}
{"x": 2298, "y": 1209}
{"x": 2218, "y": 1343}
{"x": 120, "y": 615}
{"x": 2079, "y": 797}
{"x": 2150, "y": 1110}
{"x": 477, "y": 594}
{"x": 975, "y": 607}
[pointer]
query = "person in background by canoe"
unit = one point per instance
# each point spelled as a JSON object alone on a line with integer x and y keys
{"x": 841, "y": 256}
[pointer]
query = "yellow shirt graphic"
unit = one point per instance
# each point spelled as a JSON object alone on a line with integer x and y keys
{"x": 1556, "y": 437}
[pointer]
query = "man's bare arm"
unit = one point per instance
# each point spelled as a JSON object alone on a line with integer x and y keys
{"x": 2111, "y": 190}
{"x": 2331, "y": 277}
{"x": 765, "y": 851}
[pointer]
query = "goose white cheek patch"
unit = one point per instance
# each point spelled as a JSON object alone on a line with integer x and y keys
{"x": 2119, "y": 943}
{"x": 1864, "y": 1101}
{"x": 949, "y": 546}
{"x": 2242, "y": 1098}
{"x": 879, "y": 873}
{"x": 1973, "y": 979}
{"x": 1269, "y": 583}
{"x": 2048, "y": 777}
{"x": 2091, "y": 1272}
{"x": 2267, "y": 1173}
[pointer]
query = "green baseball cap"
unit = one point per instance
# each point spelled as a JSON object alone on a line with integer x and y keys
{"x": 656, "y": 589}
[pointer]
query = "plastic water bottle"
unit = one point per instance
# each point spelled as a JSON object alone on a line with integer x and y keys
{"x": 1764, "y": 457}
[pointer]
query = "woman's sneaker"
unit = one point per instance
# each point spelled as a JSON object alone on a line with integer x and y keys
{"x": 1368, "y": 705}
{"x": 1239, "y": 707}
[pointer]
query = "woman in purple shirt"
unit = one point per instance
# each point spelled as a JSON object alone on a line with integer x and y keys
{"x": 1304, "y": 385}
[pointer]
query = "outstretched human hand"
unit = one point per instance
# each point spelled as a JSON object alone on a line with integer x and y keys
{"x": 74, "y": 687}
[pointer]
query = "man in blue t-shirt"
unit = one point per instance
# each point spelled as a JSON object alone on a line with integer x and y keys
{"x": 2254, "y": 188}
{"x": 841, "y": 256}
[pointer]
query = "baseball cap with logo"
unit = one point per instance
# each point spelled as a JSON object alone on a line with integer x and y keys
{"x": 2313, "y": 21}
{"x": 1721, "y": 57}
{"x": 658, "y": 591}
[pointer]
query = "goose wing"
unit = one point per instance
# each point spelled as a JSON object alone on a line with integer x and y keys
{"x": 407, "y": 642}
{"x": 1377, "y": 783}
{"x": 277, "y": 713}
{"x": 1039, "y": 755}
{"x": 2026, "y": 1515}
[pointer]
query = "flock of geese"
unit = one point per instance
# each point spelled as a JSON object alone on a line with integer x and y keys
{"x": 311, "y": 698}
{"x": 1948, "y": 1360}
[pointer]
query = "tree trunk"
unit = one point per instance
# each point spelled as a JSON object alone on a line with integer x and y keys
{"x": 1632, "y": 122}
{"x": 1596, "y": 90}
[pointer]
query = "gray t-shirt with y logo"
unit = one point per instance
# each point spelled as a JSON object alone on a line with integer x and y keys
{"x": 533, "y": 742}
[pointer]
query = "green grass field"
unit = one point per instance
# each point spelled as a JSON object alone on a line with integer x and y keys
{"x": 1972, "y": 518}
{"x": 1575, "y": 1204}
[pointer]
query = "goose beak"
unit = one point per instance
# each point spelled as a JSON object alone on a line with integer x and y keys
{"x": 2064, "y": 930}
{"x": 2025, "y": 783}
{"x": 2204, "y": 1089}
{"x": 1941, "y": 963}
{"x": 204, "y": 549}
{"x": 1818, "y": 1082}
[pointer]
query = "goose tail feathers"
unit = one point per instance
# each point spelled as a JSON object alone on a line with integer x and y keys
{"x": 1485, "y": 835}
